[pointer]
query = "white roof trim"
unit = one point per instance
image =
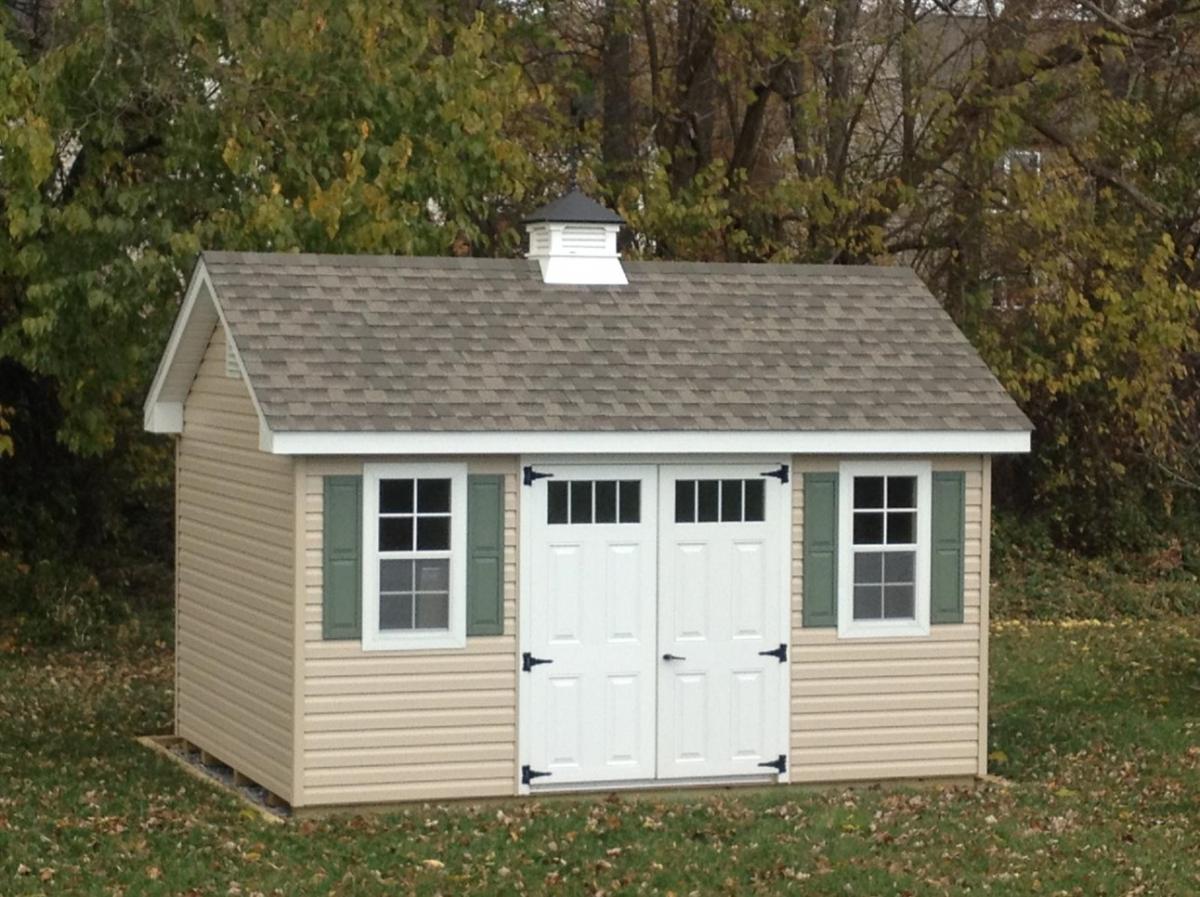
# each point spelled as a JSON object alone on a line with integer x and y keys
{"x": 198, "y": 315}
{"x": 829, "y": 442}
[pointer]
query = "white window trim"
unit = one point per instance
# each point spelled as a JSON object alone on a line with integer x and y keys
{"x": 417, "y": 640}
{"x": 848, "y": 627}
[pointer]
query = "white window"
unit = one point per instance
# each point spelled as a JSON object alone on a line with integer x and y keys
{"x": 884, "y": 532}
{"x": 414, "y": 557}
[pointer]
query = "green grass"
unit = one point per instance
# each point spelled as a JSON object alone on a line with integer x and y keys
{"x": 1096, "y": 727}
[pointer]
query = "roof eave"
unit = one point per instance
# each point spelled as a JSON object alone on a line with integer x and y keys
{"x": 808, "y": 442}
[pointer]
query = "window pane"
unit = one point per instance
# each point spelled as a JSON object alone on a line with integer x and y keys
{"x": 581, "y": 501}
{"x": 868, "y": 567}
{"x": 631, "y": 501}
{"x": 868, "y": 528}
{"x": 395, "y": 612}
{"x": 898, "y": 602}
{"x": 556, "y": 499}
{"x": 395, "y": 575}
{"x": 606, "y": 501}
{"x": 868, "y": 492}
{"x": 898, "y": 566}
{"x": 395, "y": 496}
{"x": 731, "y": 500}
{"x": 707, "y": 502}
{"x": 433, "y": 612}
{"x": 685, "y": 501}
{"x": 433, "y": 575}
{"x": 395, "y": 534}
{"x": 755, "y": 490}
{"x": 902, "y": 492}
{"x": 868, "y": 602}
{"x": 433, "y": 496}
{"x": 433, "y": 533}
{"x": 901, "y": 528}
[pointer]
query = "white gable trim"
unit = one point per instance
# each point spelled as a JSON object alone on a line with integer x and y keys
{"x": 831, "y": 442}
{"x": 198, "y": 315}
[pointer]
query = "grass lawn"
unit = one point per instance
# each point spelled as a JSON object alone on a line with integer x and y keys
{"x": 1096, "y": 726}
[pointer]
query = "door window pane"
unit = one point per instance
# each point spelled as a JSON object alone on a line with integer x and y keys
{"x": 581, "y": 501}
{"x": 606, "y": 501}
{"x": 631, "y": 501}
{"x": 557, "y": 501}
{"x": 685, "y": 501}
{"x": 755, "y": 501}
{"x": 707, "y": 501}
{"x": 731, "y": 500}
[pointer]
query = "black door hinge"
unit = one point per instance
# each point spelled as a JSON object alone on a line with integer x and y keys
{"x": 528, "y": 774}
{"x": 779, "y": 764}
{"x": 779, "y": 653}
{"x": 531, "y": 475}
{"x": 528, "y": 661}
{"x": 781, "y": 474}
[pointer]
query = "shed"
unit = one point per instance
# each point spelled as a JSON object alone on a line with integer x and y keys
{"x": 466, "y": 528}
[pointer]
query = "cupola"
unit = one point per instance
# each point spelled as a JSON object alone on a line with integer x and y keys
{"x": 574, "y": 240}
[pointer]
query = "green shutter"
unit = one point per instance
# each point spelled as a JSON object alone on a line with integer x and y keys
{"x": 342, "y": 558}
{"x": 949, "y": 547}
{"x": 485, "y": 554}
{"x": 820, "y": 549}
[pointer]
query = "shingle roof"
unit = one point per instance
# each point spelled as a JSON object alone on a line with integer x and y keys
{"x": 385, "y": 343}
{"x": 576, "y": 207}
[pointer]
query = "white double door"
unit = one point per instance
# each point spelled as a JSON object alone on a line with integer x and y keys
{"x": 655, "y": 596}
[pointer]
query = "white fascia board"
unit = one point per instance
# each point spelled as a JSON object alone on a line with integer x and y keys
{"x": 831, "y": 442}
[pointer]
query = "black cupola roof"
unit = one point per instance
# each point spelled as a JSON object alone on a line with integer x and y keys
{"x": 574, "y": 208}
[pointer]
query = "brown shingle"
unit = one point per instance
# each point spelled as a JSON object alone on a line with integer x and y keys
{"x": 394, "y": 343}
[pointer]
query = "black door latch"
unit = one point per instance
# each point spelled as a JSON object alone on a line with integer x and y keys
{"x": 779, "y": 764}
{"x": 530, "y": 475}
{"x": 528, "y": 661}
{"x": 528, "y": 774}
{"x": 781, "y": 474}
{"x": 779, "y": 653}
{"x": 673, "y": 657}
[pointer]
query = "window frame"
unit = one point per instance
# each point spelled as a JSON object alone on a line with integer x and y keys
{"x": 847, "y": 626}
{"x": 374, "y": 639}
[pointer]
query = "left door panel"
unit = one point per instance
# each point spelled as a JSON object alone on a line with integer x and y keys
{"x": 593, "y": 581}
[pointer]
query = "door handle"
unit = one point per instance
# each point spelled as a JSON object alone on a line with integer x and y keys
{"x": 673, "y": 657}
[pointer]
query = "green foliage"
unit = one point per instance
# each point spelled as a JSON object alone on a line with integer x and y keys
{"x": 1095, "y": 728}
{"x": 1034, "y": 579}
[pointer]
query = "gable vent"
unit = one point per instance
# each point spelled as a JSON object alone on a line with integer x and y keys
{"x": 231, "y": 362}
{"x": 574, "y": 241}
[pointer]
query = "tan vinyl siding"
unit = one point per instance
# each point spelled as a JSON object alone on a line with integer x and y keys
{"x": 385, "y": 726}
{"x": 890, "y": 708}
{"x": 235, "y": 582}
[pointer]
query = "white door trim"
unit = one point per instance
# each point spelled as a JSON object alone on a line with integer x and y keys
{"x": 525, "y": 526}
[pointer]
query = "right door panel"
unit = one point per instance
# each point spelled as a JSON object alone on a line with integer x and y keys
{"x": 721, "y": 587}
